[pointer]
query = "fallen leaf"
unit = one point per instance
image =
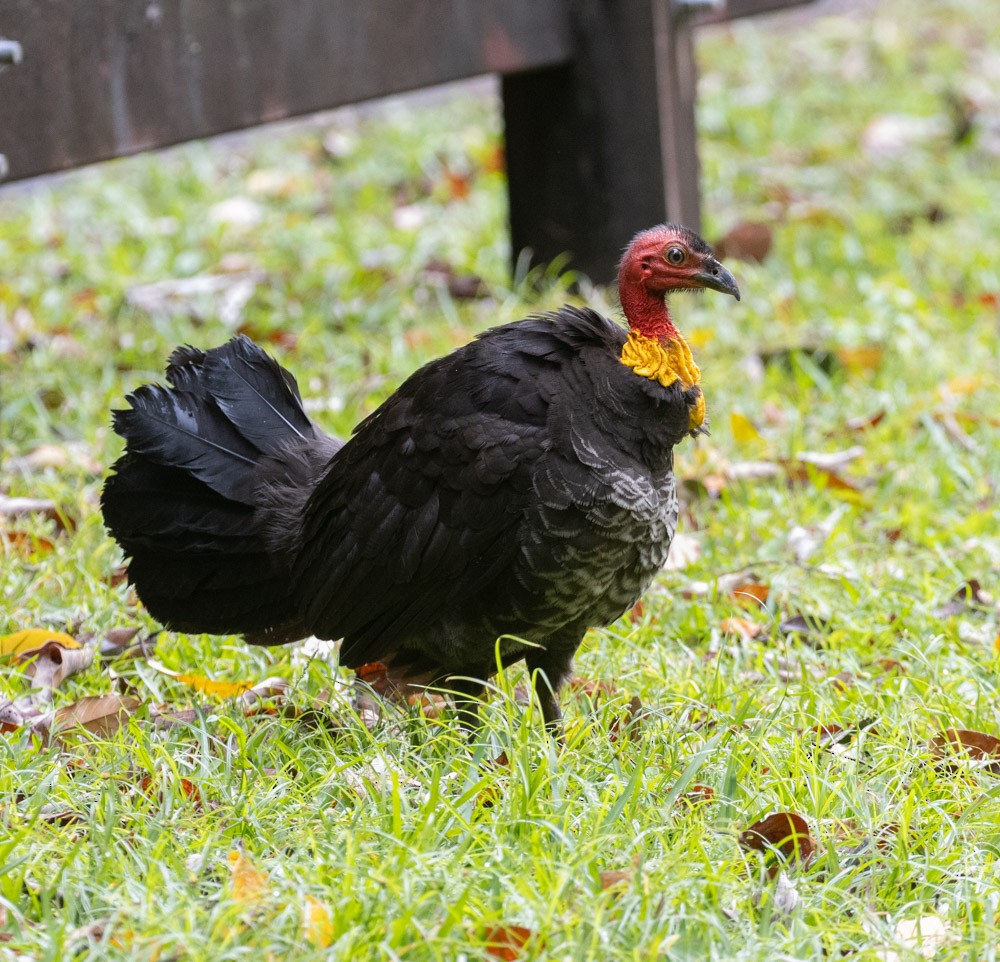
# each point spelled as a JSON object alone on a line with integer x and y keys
{"x": 506, "y": 941}
{"x": 247, "y": 884}
{"x": 754, "y": 470}
{"x": 459, "y": 286}
{"x": 594, "y": 690}
{"x": 861, "y": 359}
{"x": 23, "y": 713}
{"x": 831, "y": 460}
{"x": 120, "y": 643}
{"x": 269, "y": 689}
{"x": 751, "y": 594}
{"x": 151, "y": 787}
{"x": 164, "y": 716}
{"x": 746, "y": 241}
{"x": 317, "y": 923}
{"x": 53, "y": 814}
{"x": 199, "y": 298}
{"x": 743, "y": 428}
{"x": 376, "y": 676}
{"x": 628, "y": 725}
{"x": 865, "y": 421}
{"x": 51, "y": 664}
{"x": 27, "y": 507}
{"x": 743, "y": 627}
{"x": 615, "y": 878}
{"x": 887, "y": 136}
{"x": 969, "y": 597}
{"x": 697, "y": 795}
{"x": 961, "y": 385}
{"x": 637, "y": 612}
{"x": 802, "y": 472}
{"x": 26, "y": 545}
{"x": 782, "y": 899}
{"x": 685, "y": 550}
{"x": 30, "y": 640}
{"x": 978, "y": 746}
{"x": 207, "y": 686}
{"x": 925, "y": 935}
{"x": 807, "y": 627}
{"x": 99, "y": 714}
{"x": 457, "y": 183}
{"x": 786, "y": 832}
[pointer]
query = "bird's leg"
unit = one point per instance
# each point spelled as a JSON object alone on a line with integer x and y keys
{"x": 550, "y": 668}
{"x": 467, "y": 696}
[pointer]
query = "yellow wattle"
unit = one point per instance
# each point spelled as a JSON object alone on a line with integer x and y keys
{"x": 666, "y": 362}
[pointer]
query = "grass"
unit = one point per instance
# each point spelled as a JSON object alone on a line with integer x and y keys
{"x": 396, "y": 843}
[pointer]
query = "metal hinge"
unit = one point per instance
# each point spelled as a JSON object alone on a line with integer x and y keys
{"x": 11, "y": 54}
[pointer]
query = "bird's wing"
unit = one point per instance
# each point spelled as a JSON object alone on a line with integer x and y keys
{"x": 419, "y": 512}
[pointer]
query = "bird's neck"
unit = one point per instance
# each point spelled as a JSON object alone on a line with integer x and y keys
{"x": 647, "y": 313}
{"x": 655, "y": 348}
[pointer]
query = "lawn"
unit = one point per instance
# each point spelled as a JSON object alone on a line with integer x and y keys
{"x": 825, "y": 642}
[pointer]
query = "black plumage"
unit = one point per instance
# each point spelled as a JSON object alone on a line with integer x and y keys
{"x": 520, "y": 488}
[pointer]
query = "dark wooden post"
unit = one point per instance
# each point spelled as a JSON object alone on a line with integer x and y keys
{"x": 606, "y": 145}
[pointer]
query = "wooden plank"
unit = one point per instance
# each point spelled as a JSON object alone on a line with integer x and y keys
{"x": 734, "y": 9}
{"x": 104, "y": 78}
{"x": 606, "y": 146}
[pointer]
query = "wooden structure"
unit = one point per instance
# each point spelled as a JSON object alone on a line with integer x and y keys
{"x": 598, "y": 95}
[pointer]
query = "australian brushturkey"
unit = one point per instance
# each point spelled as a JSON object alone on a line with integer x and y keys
{"x": 520, "y": 488}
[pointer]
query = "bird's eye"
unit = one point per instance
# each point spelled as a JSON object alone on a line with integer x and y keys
{"x": 675, "y": 255}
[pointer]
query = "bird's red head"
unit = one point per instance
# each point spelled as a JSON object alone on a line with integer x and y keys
{"x": 663, "y": 259}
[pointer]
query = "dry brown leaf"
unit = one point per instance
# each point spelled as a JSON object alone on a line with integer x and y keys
{"x": 628, "y": 725}
{"x": 51, "y": 664}
{"x": 969, "y": 597}
{"x": 273, "y": 688}
{"x": 746, "y": 241}
{"x": 594, "y": 690}
{"x": 742, "y": 627}
{"x": 751, "y": 594}
{"x": 376, "y": 675}
{"x": 23, "y": 713}
{"x": 615, "y": 878}
{"x": 150, "y": 786}
{"x": 99, "y": 714}
{"x": 166, "y": 717}
{"x": 317, "y": 923}
{"x": 25, "y": 545}
{"x": 865, "y": 421}
{"x": 117, "y": 641}
{"x": 247, "y": 883}
{"x": 786, "y": 832}
{"x": 809, "y": 628}
{"x": 637, "y": 612}
{"x": 981, "y": 747}
{"x": 507, "y": 941}
{"x": 831, "y": 460}
{"x": 697, "y": 794}
{"x": 26, "y": 507}
{"x": 54, "y": 814}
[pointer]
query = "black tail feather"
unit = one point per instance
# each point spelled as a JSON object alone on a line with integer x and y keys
{"x": 187, "y": 499}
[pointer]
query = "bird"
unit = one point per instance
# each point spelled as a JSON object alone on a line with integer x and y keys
{"x": 505, "y": 499}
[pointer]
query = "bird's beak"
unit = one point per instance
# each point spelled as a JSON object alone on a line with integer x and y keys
{"x": 714, "y": 276}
